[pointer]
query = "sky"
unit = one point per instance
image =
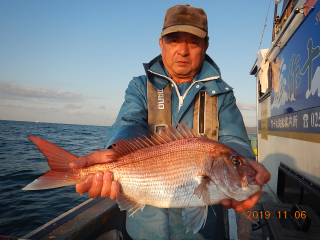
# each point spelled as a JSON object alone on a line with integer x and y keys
{"x": 70, "y": 61}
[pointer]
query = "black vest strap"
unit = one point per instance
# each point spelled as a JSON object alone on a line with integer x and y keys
{"x": 159, "y": 108}
{"x": 205, "y": 116}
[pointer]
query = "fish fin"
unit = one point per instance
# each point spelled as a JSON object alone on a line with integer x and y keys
{"x": 123, "y": 146}
{"x": 195, "y": 217}
{"x": 58, "y": 158}
{"x": 202, "y": 189}
{"x": 244, "y": 214}
{"x": 52, "y": 179}
{"x": 189, "y": 133}
{"x": 128, "y": 203}
{"x": 213, "y": 210}
{"x": 170, "y": 134}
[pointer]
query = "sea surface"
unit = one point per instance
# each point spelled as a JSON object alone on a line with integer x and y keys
{"x": 21, "y": 162}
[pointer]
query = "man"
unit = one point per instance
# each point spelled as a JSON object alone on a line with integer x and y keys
{"x": 184, "y": 68}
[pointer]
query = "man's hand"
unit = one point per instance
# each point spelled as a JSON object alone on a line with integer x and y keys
{"x": 99, "y": 184}
{"x": 262, "y": 177}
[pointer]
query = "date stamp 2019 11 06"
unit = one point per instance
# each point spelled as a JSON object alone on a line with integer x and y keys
{"x": 279, "y": 214}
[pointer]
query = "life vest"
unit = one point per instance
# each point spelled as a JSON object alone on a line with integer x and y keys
{"x": 205, "y": 114}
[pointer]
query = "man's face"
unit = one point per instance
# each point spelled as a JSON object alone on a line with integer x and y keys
{"x": 182, "y": 53}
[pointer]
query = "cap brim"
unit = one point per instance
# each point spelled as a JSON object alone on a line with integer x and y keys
{"x": 184, "y": 28}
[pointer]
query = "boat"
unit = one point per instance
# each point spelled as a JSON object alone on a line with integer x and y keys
{"x": 288, "y": 144}
{"x": 98, "y": 218}
{"x": 288, "y": 119}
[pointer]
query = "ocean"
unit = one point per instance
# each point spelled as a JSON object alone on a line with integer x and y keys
{"x": 21, "y": 162}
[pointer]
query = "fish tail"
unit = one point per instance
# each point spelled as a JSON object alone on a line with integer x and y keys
{"x": 58, "y": 159}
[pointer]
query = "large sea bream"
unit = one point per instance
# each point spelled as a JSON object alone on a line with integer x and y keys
{"x": 173, "y": 170}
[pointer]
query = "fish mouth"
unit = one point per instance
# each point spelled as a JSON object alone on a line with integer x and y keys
{"x": 244, "y": 183}
{"x": 251, "y": 181}
{"x": 247, "y": 181}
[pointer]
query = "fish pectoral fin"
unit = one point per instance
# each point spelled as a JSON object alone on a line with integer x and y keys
{"x": 202, "y": 190}
{"x": 128, "y": 203}
{"x": 195, "y": 217}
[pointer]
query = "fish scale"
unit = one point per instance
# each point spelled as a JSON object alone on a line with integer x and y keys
{"x": 151, "y": 177}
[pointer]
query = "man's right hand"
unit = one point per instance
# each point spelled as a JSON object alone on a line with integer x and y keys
{"x": 98, "y": 184}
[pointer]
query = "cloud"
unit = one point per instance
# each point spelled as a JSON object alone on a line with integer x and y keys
{"x": 10, "y": 105}
{"x": 243, "y": 106}
{"x": 24, "y": 107}
{"x": 16, "y": 91}
{"x": 45, "y": 108}
{"x": 102, "y": 107}
{"x": 76, "y": 113}
{"x": 71, "y": 106}
{"x": 97, "y": 97}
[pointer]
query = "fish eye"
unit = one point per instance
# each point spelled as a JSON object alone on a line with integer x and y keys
{"x": 236, "y": 161}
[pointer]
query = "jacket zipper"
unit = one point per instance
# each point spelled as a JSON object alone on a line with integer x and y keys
{"x": 181, "y": 98}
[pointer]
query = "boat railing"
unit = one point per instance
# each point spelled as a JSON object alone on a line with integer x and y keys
{"x": 87, "y": 221}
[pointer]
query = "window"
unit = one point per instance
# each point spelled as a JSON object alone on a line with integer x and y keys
{"x": 295, "y": 188}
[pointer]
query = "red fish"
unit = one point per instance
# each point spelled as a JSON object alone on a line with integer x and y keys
{"x": 173, "y": 170}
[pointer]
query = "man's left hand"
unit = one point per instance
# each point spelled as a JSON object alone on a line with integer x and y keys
{"x": 262, "y": 177}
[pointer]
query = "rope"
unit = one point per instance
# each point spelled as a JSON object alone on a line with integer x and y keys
{"x": 265, "y": 24}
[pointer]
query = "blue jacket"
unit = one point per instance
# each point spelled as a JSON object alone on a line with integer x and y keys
{"x": 132, "y": 121}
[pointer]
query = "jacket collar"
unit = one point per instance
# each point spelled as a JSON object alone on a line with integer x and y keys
{"x": 158, "y": 76}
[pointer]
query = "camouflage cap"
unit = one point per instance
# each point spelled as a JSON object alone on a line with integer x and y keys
{"x": 184, "y": 18}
